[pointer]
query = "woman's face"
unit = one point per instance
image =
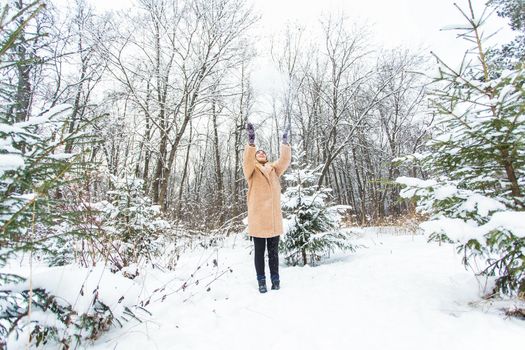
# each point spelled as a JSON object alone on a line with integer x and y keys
{"x": 260, "y": 156}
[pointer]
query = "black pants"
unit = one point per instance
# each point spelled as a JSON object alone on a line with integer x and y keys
{"x": 273, "y": 256}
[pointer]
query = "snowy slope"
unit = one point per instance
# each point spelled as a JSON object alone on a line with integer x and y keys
{"x": 398, "y": 293}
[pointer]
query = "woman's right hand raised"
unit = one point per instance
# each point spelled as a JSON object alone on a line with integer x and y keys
{"x": 251, "y": 133}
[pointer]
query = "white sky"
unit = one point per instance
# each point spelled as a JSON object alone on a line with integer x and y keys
{"x": 413, "y": 24}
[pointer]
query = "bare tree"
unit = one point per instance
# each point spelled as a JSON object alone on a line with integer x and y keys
{"x": 351, "y": 116}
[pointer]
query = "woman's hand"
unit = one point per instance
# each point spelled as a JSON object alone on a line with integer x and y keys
{"x": 251, "y": 133}
{"x": 285, "y": 136}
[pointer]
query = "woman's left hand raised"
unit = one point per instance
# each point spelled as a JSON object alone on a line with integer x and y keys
{"x": 285, "y": 135}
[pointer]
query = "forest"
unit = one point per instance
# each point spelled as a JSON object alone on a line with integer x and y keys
{"x": 123, "y": 132}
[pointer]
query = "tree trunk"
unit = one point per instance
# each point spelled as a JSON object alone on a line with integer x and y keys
{"x": 218, "y": 172}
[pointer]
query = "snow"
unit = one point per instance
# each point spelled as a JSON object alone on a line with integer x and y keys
{"x": 508, "y": 89}
{"x": 58, "y": 112}
{"x": 446, "y": 191}
{"x": 66, "y": 282}
{"x": 463, "y": 231}
{"x": 455, "y": 229}
{"x": 62, "y": 156}
{"x": 457, "y": 27}
{"x": 412, "y": 185}
{"x": 72, "y": 286}
{"x": 483, "y": 204}
{"x": 397, "y": 292}
{"x": 462, "y": 108}
{"x": 510, "y": 220}
{"x": 10, "y": 162}
{"x": 415, "y": 182}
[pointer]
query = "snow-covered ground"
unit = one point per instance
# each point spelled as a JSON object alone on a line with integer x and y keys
{"x": 399, "y": 292}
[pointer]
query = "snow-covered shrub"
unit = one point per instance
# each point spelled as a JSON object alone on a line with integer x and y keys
{"x": 62, "y": 246}
{"x": 130, "y": 221}
{"x": 69, "y": 305}
{"x": 476, "y": 161}
{"x": 313, "y": 226}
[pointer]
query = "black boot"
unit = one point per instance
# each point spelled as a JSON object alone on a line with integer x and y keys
{"x": 262, "y": 286}
{"x": 276, "y": 285}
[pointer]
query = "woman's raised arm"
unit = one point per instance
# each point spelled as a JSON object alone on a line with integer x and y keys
{"x": 285, "y": 156}
{"x": 248, "y": 161}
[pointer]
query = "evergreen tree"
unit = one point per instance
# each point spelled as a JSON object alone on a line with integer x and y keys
{"x": 34, "y": 169}
{"x": 313, "y": 225}
{"x": 514, "y": 10}
{"x": 476, "y": 161}
{"x": 33, "y": 164}
{"x": 511, "y": 53}
{"x": 130, "y": 221}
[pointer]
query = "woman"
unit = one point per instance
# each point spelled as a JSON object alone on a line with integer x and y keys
{"x": 265, "y": 221}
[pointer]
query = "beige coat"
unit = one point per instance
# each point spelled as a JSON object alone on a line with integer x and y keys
{"x": 264, "y": 192}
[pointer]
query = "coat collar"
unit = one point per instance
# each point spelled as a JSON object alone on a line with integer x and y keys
{"x": 266, "y": 169}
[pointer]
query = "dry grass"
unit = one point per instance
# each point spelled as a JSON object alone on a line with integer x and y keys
{"x": 516, "y": 312}
{"x": 408, "y": 221}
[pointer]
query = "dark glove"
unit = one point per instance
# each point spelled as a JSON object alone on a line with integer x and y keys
{"x": 285, "y": 136}
{"x": 251, "y": 133}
